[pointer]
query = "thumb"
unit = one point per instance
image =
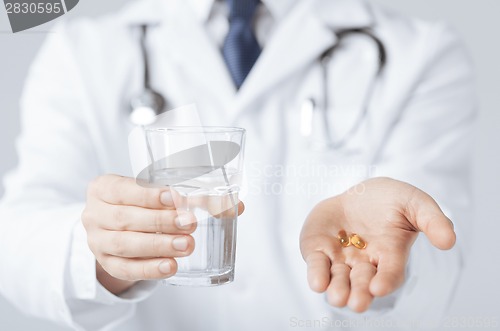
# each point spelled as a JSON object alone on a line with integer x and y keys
{"x": 424, "y": 213}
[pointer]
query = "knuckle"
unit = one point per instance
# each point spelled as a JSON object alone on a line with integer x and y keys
{"x": 93, "y": 186}
{"x": 106, "y": 262}
{"x": 112, "y": 189}
{"x": 158, "y": 245}
{"x": 116, "y": 243}
{"x": 124, "y": 271}
{"x": 99, "y": 186}
{"x": 144, "y": 271}
{"x": 87, "y": 218}
{"x": 324, "y": 243}
{"x": 93, "y": 245}
{"x": 113, "y": 192}
{"x": 159, "y": 219}
{"x": 103, "y": 261}
{"x": 148, "y": 271}
{"x": 111, "y": 269}
{"x": 118, "y": 269}
{"x": 144, "y": 196}
{"x": 149, "y": 196}
{"x": 119, "y": 218}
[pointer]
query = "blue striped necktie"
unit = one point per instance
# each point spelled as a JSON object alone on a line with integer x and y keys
{"x": 240, "y": 48}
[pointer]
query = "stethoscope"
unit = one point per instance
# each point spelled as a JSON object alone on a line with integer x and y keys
{"x": 310, "y": 106}
{"x": 150, "y": 103}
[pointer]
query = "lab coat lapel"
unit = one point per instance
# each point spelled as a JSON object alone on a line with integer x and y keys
{"x": 299, "y": 40}
{"x": 198, "y": 56}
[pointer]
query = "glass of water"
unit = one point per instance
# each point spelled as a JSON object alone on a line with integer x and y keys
{"x": 202, "y": 167}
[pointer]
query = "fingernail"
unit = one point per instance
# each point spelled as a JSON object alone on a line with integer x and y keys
{"x": 166, "y": 199}
{"x": 180, "y": 244}
{"x": 165, "y": 267}
{"x": 183, "y": 222}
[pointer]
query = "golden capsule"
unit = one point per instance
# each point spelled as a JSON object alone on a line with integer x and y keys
{"x": 357, "y": 241}
{"x": 344, "y": 238}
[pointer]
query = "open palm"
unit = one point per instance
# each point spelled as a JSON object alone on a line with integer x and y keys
{"x": 387, "y": 214}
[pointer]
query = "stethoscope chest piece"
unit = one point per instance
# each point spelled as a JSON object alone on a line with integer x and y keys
{"x": 148, "y": 103}
{"x": 145, "y": 107}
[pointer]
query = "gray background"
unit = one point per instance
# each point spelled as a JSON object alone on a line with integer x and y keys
{"x": 476, "y": 20}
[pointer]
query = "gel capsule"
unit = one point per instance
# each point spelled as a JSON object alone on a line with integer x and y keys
{"x": 343, "y": 238}
{"x": 357, "y": 241}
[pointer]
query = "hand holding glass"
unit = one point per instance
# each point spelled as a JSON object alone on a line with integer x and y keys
{"x": 202, "y": 167}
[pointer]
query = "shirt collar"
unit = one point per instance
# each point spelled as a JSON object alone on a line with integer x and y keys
{"x": 336, "y": 13}
{"x": 277, "y": 8}
{"x": 345, "y": 14}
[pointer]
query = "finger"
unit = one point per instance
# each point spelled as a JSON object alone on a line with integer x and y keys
{"x": 144, "y": 245}
{"x": 219, "y": 206}
{"x": 227, "y": 214}
{"x": 390, "y": 275}
{"x": 314, "y": 235}
{"x": 118, "y": 190}
{"x": 137, "y": 219}
{"x": 360, "y": 297}
{"x": 241, "y": 208}
{"x": 317, "y": 246}
{"x": 318, "y": 271}
{"x": 424, "y": 213}
{"x": 223, "y": 206}
{"x": 139, "y": 269}
{"x": 339, "y": 288}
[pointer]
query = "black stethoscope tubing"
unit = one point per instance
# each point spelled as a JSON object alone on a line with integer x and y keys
{"x": 148, "y": 103}
{"x": 325, "y": 60}
{"x": 151, "y": 99}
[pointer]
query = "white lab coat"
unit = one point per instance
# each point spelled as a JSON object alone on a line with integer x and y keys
{"x": 74, "y": 128}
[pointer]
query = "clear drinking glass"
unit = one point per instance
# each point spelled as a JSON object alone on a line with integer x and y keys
{"x": 202, "y": 166}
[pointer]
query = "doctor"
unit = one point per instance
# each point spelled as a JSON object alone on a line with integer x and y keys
{"x": 77, "y": 242}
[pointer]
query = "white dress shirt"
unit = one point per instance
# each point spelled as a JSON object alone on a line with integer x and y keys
{"x": 214, "y": 15}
